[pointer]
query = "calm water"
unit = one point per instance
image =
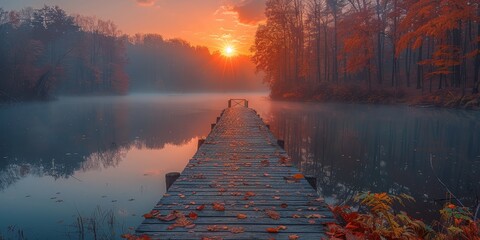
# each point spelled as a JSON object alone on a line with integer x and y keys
{"x": 103, "y": 160}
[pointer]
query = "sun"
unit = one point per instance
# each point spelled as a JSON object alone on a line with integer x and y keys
{"x": 229, "y": 51}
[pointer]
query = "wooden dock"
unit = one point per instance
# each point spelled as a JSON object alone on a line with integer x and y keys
{"x": 239, "y": 185}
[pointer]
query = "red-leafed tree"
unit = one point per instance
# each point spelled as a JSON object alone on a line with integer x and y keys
{"x": 368, "y": 40}
{"x": 359, "y": 42}
{"x": 440, "y": 22}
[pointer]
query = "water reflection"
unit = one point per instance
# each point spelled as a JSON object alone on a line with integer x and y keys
{"x": 64, "y": 158}
{"x": 59, "y": 138}
{"x": 352, "y": 148}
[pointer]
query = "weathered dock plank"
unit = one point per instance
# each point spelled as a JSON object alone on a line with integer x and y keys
{"x": 240, "y": 184}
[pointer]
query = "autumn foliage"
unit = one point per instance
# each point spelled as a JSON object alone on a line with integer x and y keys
{"x": 377, "y": 219}
{"x": 306, "y": 45}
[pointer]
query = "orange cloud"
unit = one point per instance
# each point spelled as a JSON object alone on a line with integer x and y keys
{"x": 250, "y": 11}
{"x": 146, "y": 3}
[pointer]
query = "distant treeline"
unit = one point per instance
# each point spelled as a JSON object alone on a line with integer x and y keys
{"x": 174, "y": 65}
{"x": 45, "y": 49}
{"x": 309, "y": 45}
{"x": 46, "y": 52}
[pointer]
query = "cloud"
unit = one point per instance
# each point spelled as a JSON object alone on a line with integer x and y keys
{"x": 145, "y": 3}
{"x": 250, "y": 11}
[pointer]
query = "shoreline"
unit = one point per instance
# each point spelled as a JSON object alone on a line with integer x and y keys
{"x": 446, "y": 99}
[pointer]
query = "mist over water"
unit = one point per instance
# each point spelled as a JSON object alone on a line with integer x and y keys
{"x": 353, "y": 147}
{"x": 66, "y": 158}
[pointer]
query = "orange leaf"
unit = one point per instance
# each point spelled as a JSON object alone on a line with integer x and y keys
{"x": 298, "y": 176}
{"x": 281, "y": 227}
{"x": 215, "y": 228}
{"x": 126, "y": 235}
{"x": 272, "y": 230}
{"x": 293, "y": 237}
{"x": 237, "y": 230}
{"x": 169, "y": 217}
{"x": 148, "y": 216}
{"x": 351, "y": 226}
{"x": 265, "y": 163}
{"x": 201, "y": 207}
{"x": 212, "y": 238}
{"x": 218, "y": 206}
{"x": 273, "y": 214}
{"x": 143, "y": 237}
{"x": 241, "y": 216}
{"x": 250, "y": 194}
{"x": 193, "y": 215}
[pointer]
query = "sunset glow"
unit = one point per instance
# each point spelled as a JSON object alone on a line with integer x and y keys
{"x": 209, "y": 24}
{"x": 229, "y": 51}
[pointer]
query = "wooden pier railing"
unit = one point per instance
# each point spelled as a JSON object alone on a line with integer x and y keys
{"x": 237, "y": 102}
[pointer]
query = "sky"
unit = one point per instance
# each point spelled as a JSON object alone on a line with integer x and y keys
{"x": 211, "y": 23}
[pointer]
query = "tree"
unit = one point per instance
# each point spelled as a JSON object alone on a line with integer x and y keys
{"x": 441, "y": 20}
{"x": 358, "y": 42}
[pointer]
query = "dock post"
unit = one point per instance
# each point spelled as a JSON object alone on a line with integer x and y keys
{"x": 281, "y": 143}
{"x": 170, "y": 178}
{"x": 230, "y": 103}
{"x": 200, "y": 142}
{"x": 213, "y": 126}
{"x": 268, "y": 126}
{"x": 312, "y": 181}
{"x": 218, "y": 119}
{"x": 246, "y": 103}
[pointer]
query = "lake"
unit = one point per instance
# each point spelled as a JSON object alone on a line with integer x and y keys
{"x": 70, "y": 165}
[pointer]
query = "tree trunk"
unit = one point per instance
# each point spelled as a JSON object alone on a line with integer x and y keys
{"x": 335, "y": 46}
{"x": 326, "y": 78}
{"x": 408, "y": 66}
{"x": 419, "y": 68}
{"x": 319, "y": 66}
{"x": 477, "y": 59}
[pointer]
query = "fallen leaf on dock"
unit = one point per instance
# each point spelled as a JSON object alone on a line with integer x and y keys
{"x": 218, "y": 206}
{"x": 277, "y": 229}
{"x": 216, "y": 228}
{"x": 293, "y": 237}
{"x": 148, "y": 216}
{"x": 170, "y": 217}
{"x": 298, "y": 176}
{"x": 193, "y": 215}
{"x": 241, "y": 216}
{"x": 134, "y": 237}
{"x": 212, "y": 238}
{"x": 273, "y": 214}
{"x": 265, "y": 163}
{"x": 236, "y": 230}
{"x": 272, "y": 230}
{"x": 250, "y": 194}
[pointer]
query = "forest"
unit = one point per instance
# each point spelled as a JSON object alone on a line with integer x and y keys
{"x": 46, "y": 52}
{"x": 371, "y": 51}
